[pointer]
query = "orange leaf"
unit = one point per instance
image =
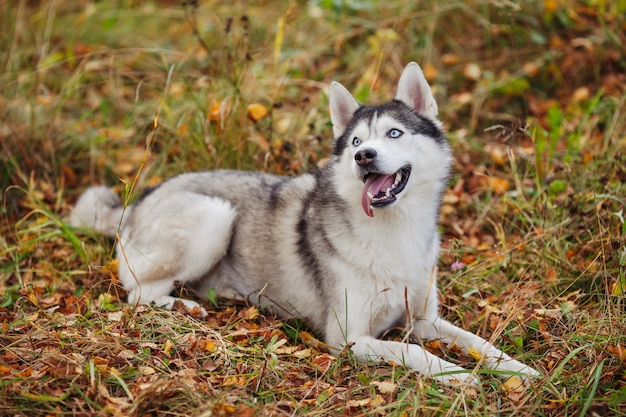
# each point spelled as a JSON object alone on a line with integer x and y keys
{"x": 430, "y": 71}
{"x": 552, "y": 276}
{"x": 257, "y": 111}
{"x": 618, "y": 351}
{"x": 498, "y": 185}
{"x": 219, "y": 111}
{"x": 209, "y": 346}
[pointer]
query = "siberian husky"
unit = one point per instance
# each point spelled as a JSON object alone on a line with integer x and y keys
{"x": 351, "y": 248}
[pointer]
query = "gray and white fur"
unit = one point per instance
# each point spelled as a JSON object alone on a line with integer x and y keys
{"x": 350, "y": 248}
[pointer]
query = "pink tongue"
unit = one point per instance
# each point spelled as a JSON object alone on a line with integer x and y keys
{"x": 374, "y": 184}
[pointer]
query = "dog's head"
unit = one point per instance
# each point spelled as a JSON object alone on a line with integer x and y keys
{"x": 394, "y": 149}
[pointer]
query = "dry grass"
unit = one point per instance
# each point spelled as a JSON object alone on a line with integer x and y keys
{"x": 130, "y": 94}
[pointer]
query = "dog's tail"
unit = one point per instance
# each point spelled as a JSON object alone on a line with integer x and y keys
{"x": 100, "y": 209}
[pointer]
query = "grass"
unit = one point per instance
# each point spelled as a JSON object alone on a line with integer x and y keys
{"x": 129, "y": 94}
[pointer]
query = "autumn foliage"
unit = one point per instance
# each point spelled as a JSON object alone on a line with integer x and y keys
{"x": 128, "y": 94}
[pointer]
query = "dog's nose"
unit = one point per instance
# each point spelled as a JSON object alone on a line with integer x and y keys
{"x": 365, "y": 156}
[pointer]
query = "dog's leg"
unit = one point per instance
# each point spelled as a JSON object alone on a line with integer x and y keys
{"x": 179, "y": 240}
{"x": 412, "y": 356}
{"x": 472, "y": 345}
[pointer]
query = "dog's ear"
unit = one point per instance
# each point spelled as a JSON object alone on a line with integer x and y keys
{"x": 414, "y": 91}
{"x": 342, "y": 107}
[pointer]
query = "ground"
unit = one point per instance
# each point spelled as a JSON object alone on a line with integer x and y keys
{"x": 130, "y": 93}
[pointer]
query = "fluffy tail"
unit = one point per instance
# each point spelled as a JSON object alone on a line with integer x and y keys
{"x": 100, "y": 209}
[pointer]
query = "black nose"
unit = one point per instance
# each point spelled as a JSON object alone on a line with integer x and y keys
{"x": 365, "y": 156}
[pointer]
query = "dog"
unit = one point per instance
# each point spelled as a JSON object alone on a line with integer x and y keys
{"x": 352, "y": 247}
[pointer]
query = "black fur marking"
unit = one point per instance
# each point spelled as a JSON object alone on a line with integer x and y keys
{"x": 399, "y": 111}
{"x": 329, "y": 200}
{"x": 275, "y": 192}
{"x": 146, "y": 192}
{"x": 308, "y": 258}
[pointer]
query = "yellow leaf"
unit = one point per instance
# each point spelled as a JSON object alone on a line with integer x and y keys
{"x": 498, "y": 185}
{"x": 167, "y": 347}
{"x": 514, "y": 386}
{"x": 433, "y": 344}
{"x": 112, "y": 266}
{"x": 513, "y": 383}
{"x": 257, "y": 111}
{"x": 430, "y": 72}
{"x": 551, "y": 6}
{"x": 475, "y": 354}
{"x": 225, "y": 408}
{"x": 182, "y": 129}
{"x": 209, "y": 346}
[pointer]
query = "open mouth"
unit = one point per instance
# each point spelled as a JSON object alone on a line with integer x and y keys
{"x": 380, "y": 190}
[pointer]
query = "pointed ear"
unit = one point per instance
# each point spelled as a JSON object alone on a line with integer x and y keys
{"x": 414, "y": 91}
{"x": 342, "y": 107}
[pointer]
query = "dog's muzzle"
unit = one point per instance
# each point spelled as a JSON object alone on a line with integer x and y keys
{"x": 380, "y": 190}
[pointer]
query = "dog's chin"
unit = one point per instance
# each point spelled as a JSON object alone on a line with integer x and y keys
{"x": 382, "y": 190}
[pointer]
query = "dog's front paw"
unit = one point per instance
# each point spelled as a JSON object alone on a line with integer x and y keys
{"x": 520, "y": 377}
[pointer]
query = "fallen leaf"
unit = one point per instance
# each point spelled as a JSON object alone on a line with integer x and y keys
{"x": 475, "y": 354}
{"x": 498, "y": 185}
{"x": 304, "y": 353}
{"x": 552, "y": 277}
{"x": 257, "y": 111}
{"x": 581, "y": 94}
{"x": 472, "y": 72}
{"x": 218, "y": 112}
{"x": 250, "y": 313}
{"x": 514, "y": 386}
{"x": 245, "y": 411}
{"x": 209, "y": 346}
{"x": 167, "y": 347}
{"x": 322, "y": 362}
{"x": 367, "y": 402}
{"x": 618, "y": 350}
{"x": 385, "y": 387}
{"x": 497, "y": 153}
{"x": 450, "y": 59}
{"x": 286, "y": 350}
{"x": 430, "y": 71}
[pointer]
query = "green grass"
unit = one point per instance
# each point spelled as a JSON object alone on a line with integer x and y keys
{"x": 129, "y": 94}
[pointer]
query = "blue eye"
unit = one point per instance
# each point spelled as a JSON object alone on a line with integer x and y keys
{"x": 394, "y": 133}
{"x": 356, "y": 141}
